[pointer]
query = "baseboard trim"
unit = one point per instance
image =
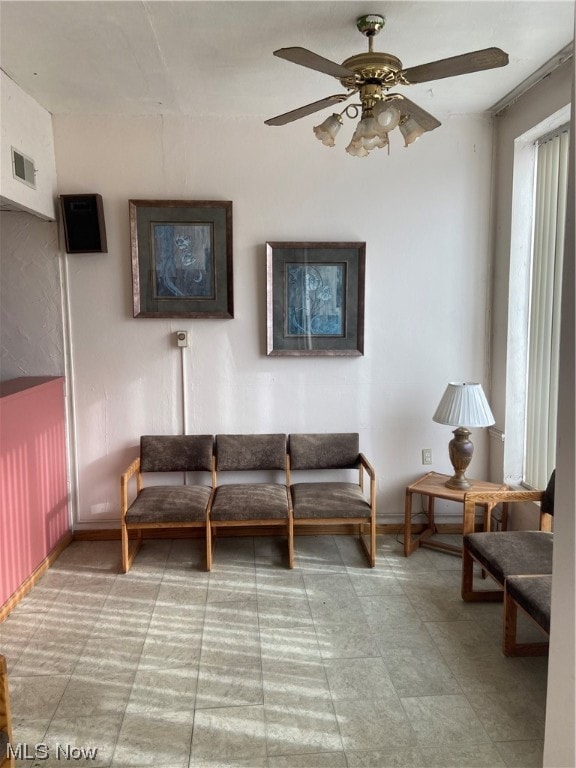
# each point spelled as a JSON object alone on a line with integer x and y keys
{"x": 35, "y": 576}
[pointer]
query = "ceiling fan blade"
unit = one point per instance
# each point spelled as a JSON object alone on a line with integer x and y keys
{"x": 476, "y": 61}
{"x": 425, "y": 119}
{"x": 312, "y": 60}
{"x": 308, "y": 109}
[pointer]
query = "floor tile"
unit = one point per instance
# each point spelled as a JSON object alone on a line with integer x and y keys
{"x": 294, "y": 683}
{"x": 293, "y": 729}
{"x": 346, "y": 640}
{"x": 229, "y": 733}
{"x": 358, "y": 678}
{"x": 83, "y": 740}
{"x": 521, "y": 754}
{"x": 284, "y": 612}
{"x": 95, "y": 695}
{"x": 444, "y": 720}
{"x": 374, "y": 723}
{"x": 463, "y": 638}
{"x": 230, "y": 685}
{"x": 508, "y": 715}
{"x": 290, "y": 643}
{"x": 416, "y": 674}
{"x": 310, "y": 760}
{"x": 399, "y": 757}
{"x": 154, "y": 691}
{"x": 456, "y": 756}
{"x": 146, "y": 739}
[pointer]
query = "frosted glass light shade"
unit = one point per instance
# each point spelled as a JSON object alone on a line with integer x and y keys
{"x": 356, "y": 149}
{"x": 411, "y": 130}
{"x": 326, "y": 131}
{"x": 387, "y": 115}
{"x": 464, "y": 405}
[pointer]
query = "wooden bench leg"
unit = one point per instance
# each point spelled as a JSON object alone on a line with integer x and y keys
{"x": 369, "y": 551}
{"x": 130, "y": 548}
{"x": 208, "y": 545}
{"x": 510, "y": 645}
{"x": 510, "y": 622}
{"x": 290, "y": 541}
{"x": 469, "y": 594}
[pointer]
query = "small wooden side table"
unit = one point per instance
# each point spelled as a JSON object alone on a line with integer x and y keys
{"x": 433, "y": 486}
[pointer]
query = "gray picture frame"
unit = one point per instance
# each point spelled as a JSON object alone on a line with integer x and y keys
{"x": 315, "y": 298}
{"x": 182, "y": 258}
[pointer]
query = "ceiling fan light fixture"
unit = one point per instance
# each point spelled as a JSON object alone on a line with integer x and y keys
{"x": 387, "y": 115}
{"x": 326, "y": 132}
{"x": 356, "y": 149}
{"x": 411, "y": 130}
{"x": 371, "y": 75}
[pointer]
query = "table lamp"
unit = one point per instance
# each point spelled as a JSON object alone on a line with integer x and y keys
{"x": 463, "y": 405}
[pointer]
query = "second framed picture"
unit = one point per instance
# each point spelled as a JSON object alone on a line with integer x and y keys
{"x": 315, "y": 298}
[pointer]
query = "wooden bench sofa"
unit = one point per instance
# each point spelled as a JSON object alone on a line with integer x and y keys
{"x": 202, "y": 500}
{"x": 6, "y": 758}
{"x": 520, "y": 562}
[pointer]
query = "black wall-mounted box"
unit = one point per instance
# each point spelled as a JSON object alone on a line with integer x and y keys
{"x": 84, "y": 227}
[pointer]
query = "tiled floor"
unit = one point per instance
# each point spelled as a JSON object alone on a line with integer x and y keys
{"x": 331, "y": 665}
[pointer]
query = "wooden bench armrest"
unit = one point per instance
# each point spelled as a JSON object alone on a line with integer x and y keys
{"x": 133, "y": 469}
{"x": 482, "y": 497}
{"x": 472, "y": 498}
{"x": 365, "y": 464}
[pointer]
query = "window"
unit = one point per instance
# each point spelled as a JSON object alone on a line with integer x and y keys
{"x": 549, "y": 215}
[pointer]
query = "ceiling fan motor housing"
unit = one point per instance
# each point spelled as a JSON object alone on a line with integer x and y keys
{"x": 372, "y": 66}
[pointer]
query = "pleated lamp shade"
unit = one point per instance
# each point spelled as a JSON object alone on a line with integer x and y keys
{"x": 464, "y": 405}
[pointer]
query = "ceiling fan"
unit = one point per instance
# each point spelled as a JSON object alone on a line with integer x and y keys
{"x": 372, "y": 75}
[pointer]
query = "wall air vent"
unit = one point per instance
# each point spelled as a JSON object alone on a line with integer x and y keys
{"x": 23, "y": 168}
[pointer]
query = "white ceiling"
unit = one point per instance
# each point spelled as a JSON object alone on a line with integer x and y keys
{"x": 215, "y": 58}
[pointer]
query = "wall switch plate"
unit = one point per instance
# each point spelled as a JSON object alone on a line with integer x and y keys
{"x": 426, "y": 455}
{"x": 182, "y": 338}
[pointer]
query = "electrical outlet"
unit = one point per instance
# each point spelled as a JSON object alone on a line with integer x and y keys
{"x": 426, "y": 455}
{"x": 182, "y": 338}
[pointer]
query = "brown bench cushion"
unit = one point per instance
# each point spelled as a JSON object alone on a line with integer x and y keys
{"x": 176, "y": 453}
{"x": 534, "y": 595}
{"x": 338, "y": 450}
{"x": 329, "y": 500}
{"x": 170, "y": 504}
{"x": 511, "y": 553}
{"x": 250, "y": 501}
{"x": 250, "y": 452}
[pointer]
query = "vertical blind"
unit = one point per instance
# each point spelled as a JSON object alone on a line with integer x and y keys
{"x": 544, "y": 329}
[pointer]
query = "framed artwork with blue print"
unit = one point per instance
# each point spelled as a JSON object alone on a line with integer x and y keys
{"x": 315, "y": 297}
{"x": 181, "y": 258}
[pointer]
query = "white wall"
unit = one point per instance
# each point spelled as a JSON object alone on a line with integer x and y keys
{"x": 27, "y": 127}
{"x": 31, "y": 331}
{"x": 560, "y": 741}
{"x": 424, "y": 214}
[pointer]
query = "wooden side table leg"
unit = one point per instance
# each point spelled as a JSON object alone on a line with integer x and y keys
{"x": 431, "y": 523}
{"x": 408, "y": 548}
